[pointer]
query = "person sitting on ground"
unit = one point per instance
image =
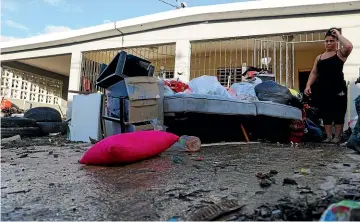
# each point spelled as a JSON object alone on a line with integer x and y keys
{"x": 328, "y": 70}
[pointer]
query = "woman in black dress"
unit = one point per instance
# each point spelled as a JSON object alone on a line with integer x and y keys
{"x": 328, "y": 70}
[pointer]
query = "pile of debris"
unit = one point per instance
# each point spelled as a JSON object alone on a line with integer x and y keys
{"x": 39, "y": 121}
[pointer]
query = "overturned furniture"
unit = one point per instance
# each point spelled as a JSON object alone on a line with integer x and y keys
{"x": 133, "y": 97}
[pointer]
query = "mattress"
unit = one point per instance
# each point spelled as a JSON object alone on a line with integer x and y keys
{"x": 209, "y": 104}
{"x": 213, "y": 104}
{"x": 267, "y": 108}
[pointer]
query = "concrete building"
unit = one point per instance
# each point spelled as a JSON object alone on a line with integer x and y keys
{"x": 184, "y": 43}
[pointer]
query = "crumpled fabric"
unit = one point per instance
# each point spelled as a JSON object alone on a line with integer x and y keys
{"x": 243, "y": 91}
{"x": 176, "y": 86}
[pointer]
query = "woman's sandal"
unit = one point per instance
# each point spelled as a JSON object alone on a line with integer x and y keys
{"x": 327, "y": 140}
{"x": 335, "y": 140}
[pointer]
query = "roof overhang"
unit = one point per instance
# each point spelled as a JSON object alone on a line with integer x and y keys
{"x": 232, "y": 11}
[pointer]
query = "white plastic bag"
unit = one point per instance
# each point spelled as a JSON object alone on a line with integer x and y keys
{"x": 208, "y": 85}
{"x": 168, "y": 91}
{"x": 243, "y": 91}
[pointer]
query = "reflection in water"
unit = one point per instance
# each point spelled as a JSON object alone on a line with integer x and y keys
{"x": 145, "y": 174}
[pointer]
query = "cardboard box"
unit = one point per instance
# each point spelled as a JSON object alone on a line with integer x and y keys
{"x": 146, "y": 127}
{"x": 142, "y": 87}
{"x": 140, "y": 110}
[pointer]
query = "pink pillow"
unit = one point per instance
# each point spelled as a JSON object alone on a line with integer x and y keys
{"x": 128, "y": 147}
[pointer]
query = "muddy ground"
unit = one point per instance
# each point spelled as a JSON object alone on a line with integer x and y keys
{"x": 41, "y": 179}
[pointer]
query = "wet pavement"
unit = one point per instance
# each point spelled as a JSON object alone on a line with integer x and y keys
{"x": 43, "y": 180}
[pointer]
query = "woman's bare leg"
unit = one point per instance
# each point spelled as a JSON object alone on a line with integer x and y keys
{"x": 328, "y": 131}
{"x": 338, "y": 130}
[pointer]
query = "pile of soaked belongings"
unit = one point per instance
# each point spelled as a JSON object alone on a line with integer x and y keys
{"x": 254, "y": 89}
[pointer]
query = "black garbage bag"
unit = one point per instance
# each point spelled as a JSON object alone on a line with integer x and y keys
{"x": 354, "y": 140}
{"x": 271, "y": 91}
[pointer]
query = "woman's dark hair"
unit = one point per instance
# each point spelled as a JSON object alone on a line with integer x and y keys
{"x": 329, "y": 33}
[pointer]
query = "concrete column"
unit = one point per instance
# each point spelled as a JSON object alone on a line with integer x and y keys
{"x": 74, "y": 79}
{"x": 182, "y": 60}
{"x": 352, "y": 67}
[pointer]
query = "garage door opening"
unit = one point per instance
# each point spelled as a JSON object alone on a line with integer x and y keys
{"x": 283, "y": 55}
{"x": 161, "y": 56}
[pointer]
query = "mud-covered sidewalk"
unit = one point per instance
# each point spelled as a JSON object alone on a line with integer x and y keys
{"x": 42, "y": 180}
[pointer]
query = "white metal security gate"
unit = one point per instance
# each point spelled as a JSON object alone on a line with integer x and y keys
{"x": 277, "y": 57}
{"x": 224, "y": 58}
{"x": 161, "y": 56}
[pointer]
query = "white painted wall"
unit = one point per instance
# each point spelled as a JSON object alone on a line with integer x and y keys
{"x": 352, "y": 65}
{"x": 182, "y": 60}
{"x": 74, "y": 79}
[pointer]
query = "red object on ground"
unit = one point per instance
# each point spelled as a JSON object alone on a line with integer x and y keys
{"x": 5, "y": 104}
{"x": 176, "y": 86}
{"x": 201, "y": 158}
{"x": 128, "y": 147}
{"x": 298, "y": 126}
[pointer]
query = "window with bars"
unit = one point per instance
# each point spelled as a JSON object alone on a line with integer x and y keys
{"x": 16, "y": 84}
{"x": 168, "y": 74}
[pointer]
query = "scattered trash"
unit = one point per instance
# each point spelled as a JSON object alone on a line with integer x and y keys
{"x": 343, "y": 211}
{"x": 265, "y": 183}
{"x": 186, "y": 143}
{"x": 10, "y": 139}
{"x": 213, "y": 211}
{"x": 93, "y": 141}
{"x": 174, "y": 219}
{"x": 196, "y": 193}
{"x": 305, "y": 171}
{"x": 273, "y": 172}
{"x": 356, "y": 171}
{"x": 344, "y": 181}
{"x": 23, "y": 155}
{"x": 347, "y": 165}
{"x": 177, "y": 159}
{"x": 289, "y": 181}
{"x": 200, "y": 158}
{"x": 304, "y": 190}
{"x": 263, "y": 211}
{"x": 260, "y": 175}
{"x": 276, "y": 212}
{"x": 259, "y": 192}
{"x": 19, "y": 191}
{"x": 266, "y": 178}
{"x": 191, "y": 143}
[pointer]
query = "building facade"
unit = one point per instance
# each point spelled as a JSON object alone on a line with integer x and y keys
{"x": 185, "y": 43}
